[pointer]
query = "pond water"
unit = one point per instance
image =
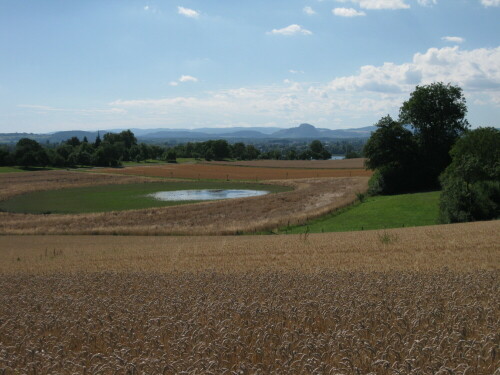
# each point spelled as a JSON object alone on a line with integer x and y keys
{"x": 205, "y": 194}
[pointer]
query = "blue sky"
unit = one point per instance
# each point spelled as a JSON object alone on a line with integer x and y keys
{"x": 217, "y": 63}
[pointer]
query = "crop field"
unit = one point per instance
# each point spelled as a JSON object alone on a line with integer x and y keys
{"x": 309, "y": 198}
{"x": 426, "y": 301}
{"x": 379, "y": 212}
{"x": 358, "y": 163}
{"x": 231, "y": 172}
{"x": 117, "y": 197}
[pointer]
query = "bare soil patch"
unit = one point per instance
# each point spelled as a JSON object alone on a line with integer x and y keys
{"x": 358, "y": 163}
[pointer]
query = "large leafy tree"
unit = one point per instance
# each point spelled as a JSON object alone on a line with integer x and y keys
{"x": 391, "y": 151}
{"x": 471, "y": 183}
{"x": 30, "y": 153}
{"x": 436, "y": 113}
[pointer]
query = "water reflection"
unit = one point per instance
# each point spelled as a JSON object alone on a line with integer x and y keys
{"x": 205, "y": 194}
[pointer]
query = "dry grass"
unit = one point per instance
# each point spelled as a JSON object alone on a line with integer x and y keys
{"x": 358, "y": 163}
{"x": 231, "y": 172}
{"x": 12, "y": 184}
{"x": 311, "y": 198}
{"x": 325, "y": 304}
{"x": 458, "y": 247}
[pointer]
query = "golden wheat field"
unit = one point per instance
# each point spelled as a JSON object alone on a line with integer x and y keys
{"x": 357, "y": 163}
{"x": 310, "y": 198}
{"x": 235, "y": 172}
{"x": 403, "y": 301}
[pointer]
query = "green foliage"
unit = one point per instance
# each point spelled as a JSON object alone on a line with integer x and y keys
{"x": 436, "y": 113}
{"x": 471, "y": 183}
{"x": 30, "y": 153}
{"x": 318, "y": 151}
{"x": 391, "y": 153}
{"x": 412, "y": 160}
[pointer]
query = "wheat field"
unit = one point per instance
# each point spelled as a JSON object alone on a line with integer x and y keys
{"x": 403, "y": 301}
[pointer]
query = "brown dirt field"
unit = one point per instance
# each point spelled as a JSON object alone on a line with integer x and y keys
{"x": 425, "y": 302}
{"x": 223, "y": 172}
{"x": 311, "y": 198}
{"x": 457, "y": 247}
{"x": 12, "y": 184}
{"x": 358, "y": 163}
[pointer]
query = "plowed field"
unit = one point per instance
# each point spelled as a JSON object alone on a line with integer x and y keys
{"x": 358, "y": 163}
{"x": 230, "y": 172}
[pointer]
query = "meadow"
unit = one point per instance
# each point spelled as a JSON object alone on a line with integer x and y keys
{"x": 425, "y": 302}
{"x": 378, "y": 212}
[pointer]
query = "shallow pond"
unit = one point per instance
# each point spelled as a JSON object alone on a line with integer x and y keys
{"x": 205, "y": 194}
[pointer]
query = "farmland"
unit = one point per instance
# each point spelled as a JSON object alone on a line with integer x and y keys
{"x": 420, "y": 300}
{"x": 237, "y": 172}
{"x": 358, "y": 163}
{"x": 309, "y": 198}
{"x": 424, "y": 302}
{"x": 118, "y": 197}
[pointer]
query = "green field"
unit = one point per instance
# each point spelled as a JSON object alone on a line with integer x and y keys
{"x": 388, "y": 211}
{"x": 11, "y": 169}
{"x": 114, "y": 197}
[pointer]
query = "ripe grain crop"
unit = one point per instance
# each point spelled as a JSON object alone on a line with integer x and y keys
{"x": 231, "y": 172}
{"x": 311, "y": 198}
{"x": 405, "y": 301}
{"x": 458, "y": 247}
{"x": 250, "y": 323}
{"x": 358, "y": 163}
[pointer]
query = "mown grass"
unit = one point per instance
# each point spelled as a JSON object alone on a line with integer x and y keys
{"x": 390, "y": 211}
{"x": 11, "y": 169}
{"x": 113, "y": 197}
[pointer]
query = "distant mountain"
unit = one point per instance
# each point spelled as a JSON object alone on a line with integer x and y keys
{"x": 303, "y": 131}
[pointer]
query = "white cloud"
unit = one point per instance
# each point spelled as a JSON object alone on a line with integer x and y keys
{"x": 474, "y": 70}
{"x": 174, "y": 83}
{"x": 309, "y": 11}
{"x": 291, "y": 30}
{"x": 490, "y": 3}
{"x": 188, "y": 12}
{"x": 185, "y": 78}
{"x": 453, "y": 39}
{"x": 379, "y": 4}
{"x": 347, "y": 12}
{"x": 426, "y": 3}
{"x": 293, "y": 71}
{"x": 146, "y": 7}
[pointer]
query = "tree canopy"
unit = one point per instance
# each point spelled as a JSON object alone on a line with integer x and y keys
{"x": 471, "y": 183}
{"x": 411, "y": 153}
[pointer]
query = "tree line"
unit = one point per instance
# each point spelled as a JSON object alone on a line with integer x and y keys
{"x": 115, "y": 148}
{"x": 431, "y": 146}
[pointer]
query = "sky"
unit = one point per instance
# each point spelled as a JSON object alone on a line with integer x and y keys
{"x": 89, "y": 65}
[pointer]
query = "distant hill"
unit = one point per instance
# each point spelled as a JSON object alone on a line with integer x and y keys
{"x": 309, "y": 131}
{"x": 303, "y": 131}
